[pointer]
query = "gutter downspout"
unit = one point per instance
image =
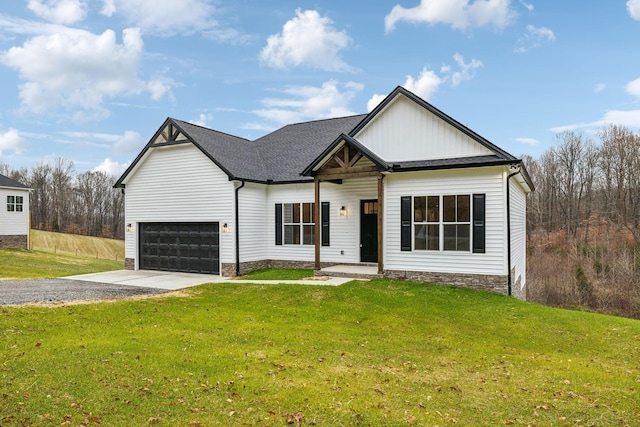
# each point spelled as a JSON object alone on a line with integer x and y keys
{"x": 238, "y": 230}
{"x": 509, "y": 232}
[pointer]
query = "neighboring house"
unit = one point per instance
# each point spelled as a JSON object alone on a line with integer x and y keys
{"x": 405, "y": 188}
{"x": 14, "y": 214}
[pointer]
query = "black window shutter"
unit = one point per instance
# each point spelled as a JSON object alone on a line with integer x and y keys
{"x": 325, "y": 223}
{"x": 405, "y": 223}
{"x": 278, "y": 223}
{"x": 478, "y": 223}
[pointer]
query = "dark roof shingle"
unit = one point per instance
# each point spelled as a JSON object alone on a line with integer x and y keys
{"x": 5, "y": 181}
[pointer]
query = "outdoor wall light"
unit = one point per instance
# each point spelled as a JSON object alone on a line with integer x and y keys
{"x": 225, "y": 228}
{"x": 343, "y": 211}
{"x": 130, "y": 228}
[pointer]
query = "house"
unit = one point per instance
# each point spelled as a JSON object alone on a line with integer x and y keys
{"x": 14, "y": 214}
{"x": 405, "y": 189}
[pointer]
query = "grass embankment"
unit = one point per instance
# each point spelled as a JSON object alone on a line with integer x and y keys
{"x": 86, "y": 246}
{"x": 18, "y": 264}
{"x": 380, "y": 353}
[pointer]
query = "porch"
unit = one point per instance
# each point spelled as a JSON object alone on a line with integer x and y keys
{"x": 357, "y": 271}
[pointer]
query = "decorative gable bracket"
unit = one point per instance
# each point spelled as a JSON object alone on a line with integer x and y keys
{"x": 345, "y": 158}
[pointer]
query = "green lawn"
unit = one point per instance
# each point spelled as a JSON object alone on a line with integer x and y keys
{"x": 279, "y": 274}
{"x": 19, "y": 264}
{"x": 378, "y": 353}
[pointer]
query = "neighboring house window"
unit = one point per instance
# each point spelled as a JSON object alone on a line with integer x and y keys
{"x": 298, "y": 223}
{"x": 443, "y": 223}
{"x": 15, "y": 203}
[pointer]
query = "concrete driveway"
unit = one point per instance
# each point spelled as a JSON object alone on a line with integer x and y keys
{"x": 148, "y": 279}
{"x": 171, "y": 281}
{"x": 120, "y": 284}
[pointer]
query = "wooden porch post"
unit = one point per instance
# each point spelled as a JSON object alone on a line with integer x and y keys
{"x": 316, "y": 222}
{"x": 380, "y": 224}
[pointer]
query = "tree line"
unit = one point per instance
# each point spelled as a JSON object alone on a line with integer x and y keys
{"x": 63, "y": 201}
{"x": 583, "y": 221}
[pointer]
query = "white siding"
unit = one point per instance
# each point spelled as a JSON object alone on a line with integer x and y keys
{"x": 406, "y": 131}
{"x": 179, "y": 184}
{"x": 286, "y": 193}
{"x": 252, "y": 201}
{"x": 344, "y": 230}
{"x": 14, "y": 223}
{"x": 518, "y": 207}
{"x": 489, "y": 181}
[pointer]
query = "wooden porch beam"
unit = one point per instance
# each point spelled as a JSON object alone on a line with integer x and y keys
{"x": 347, "y": 175}
{"x": 380, "y": 224}
{"x": 316, "y": 222}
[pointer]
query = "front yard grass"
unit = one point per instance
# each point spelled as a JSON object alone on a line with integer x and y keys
{"x": 378, "y": 353}
{"x": 278, "y": 274}
{"x": 19, "y": 264}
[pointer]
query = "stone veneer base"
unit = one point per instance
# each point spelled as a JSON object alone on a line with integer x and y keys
{"x": 491, "y": 283}
{"x": 19, "y": 241}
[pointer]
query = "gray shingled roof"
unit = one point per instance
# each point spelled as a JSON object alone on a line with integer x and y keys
{"x": 279, "y": 156}
{"x": 5, "y": 181}
{"x": 283, "y": 155}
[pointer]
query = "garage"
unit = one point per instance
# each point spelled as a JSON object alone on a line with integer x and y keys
{"x": 189, "y": 247}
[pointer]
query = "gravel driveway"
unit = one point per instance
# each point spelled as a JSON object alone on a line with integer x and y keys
{"x": 33, "y": 291}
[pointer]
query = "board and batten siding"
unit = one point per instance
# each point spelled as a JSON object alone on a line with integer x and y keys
{"x": 518, "y": 208}
{"x": 178, "y": 183}
{"x": 406, "y": 131}
{"x": 488, "y": 181}
{"x": 14, "y": 223}
{"x": 254, "y": 234}
{"x": 344, "y": 230}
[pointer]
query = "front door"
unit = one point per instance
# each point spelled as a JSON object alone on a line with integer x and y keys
{"x": 368, "y": 231}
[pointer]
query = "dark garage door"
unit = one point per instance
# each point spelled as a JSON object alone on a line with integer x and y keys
{"x": 191, "y": 247}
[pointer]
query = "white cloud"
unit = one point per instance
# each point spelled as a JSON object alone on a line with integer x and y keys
{"x": 127, "y": 143}
{"x": 302, "y": 103}
{"x": 130, "y": 142}
{"x": 164, "y": 18}
{"x": 629, "y": 118}
{"x": 633, "y": 87}
{"x": 528, "y": 141}
{"x": 59, "y": 11}
{"x": 599, "y": 87}
{"x": 108, "y": 8}
{"x": 111, "y": 167}
{"x": 466, "y": 72}
{"x": 77, "y": 70}
{"x": 425, "y": 85}
{"x": 526, "y": 5}
{"x": 307, "y": 39}
{"x": 203, "y": 120}
{"x": 633, "y": 6}
{"x": 12, "y": 140}
{"x": 428, "y": 82}
{"x": 460, "y": 14}
{"x": 374, "y": 101}
{"x": 534, "y": 37}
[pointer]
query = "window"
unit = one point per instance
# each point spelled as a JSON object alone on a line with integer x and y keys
{"x": 15, "y": 203}
{"x": 298, "y": 223}
{"x": 426, "y": 217}
{"x": 456, "y": 214}
{"x": 442, "y": 222}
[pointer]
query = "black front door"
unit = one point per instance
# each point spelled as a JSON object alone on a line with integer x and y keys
{"x": 368, "y": 231}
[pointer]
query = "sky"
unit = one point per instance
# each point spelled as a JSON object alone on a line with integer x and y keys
{"x": 92, "y": 80}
